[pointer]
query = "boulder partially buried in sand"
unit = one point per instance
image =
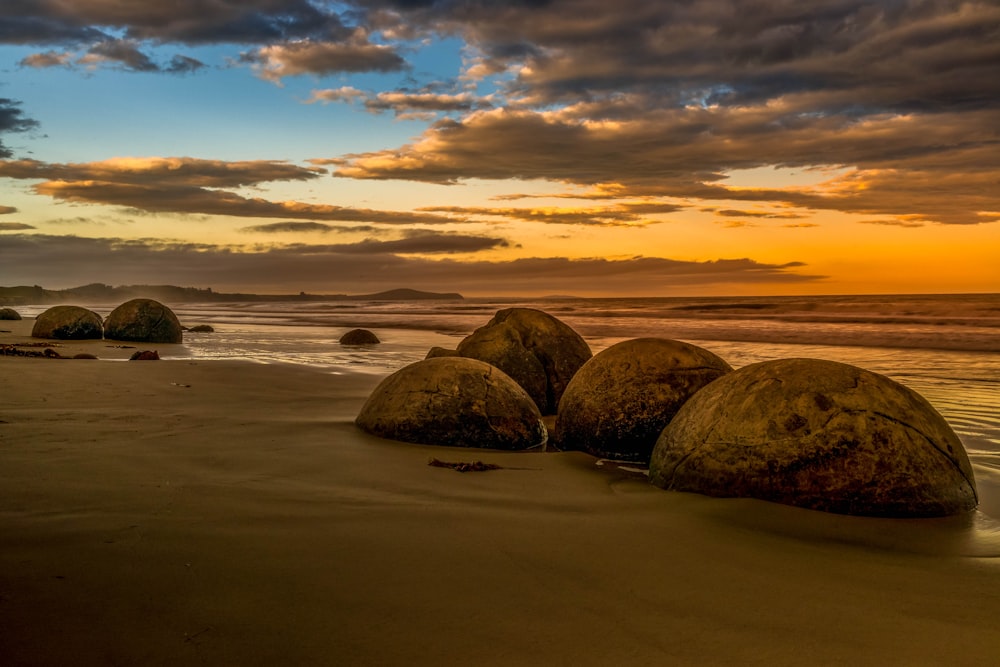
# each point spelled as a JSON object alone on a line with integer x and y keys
{"x": 9, "y": 314}
{"x": 455, "y": 402}
{"x": 538, "y": 351}
{"x": 68, "y": 323}
{"x": 820, "y": 435}
{"x": 618, "y": 402}
{"x": 145, "y": 321}
{"x": 359, "y": 337}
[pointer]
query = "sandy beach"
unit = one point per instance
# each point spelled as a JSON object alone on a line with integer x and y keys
{"x": 230, "y": 513}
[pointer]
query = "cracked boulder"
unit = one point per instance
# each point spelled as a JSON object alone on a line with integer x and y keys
{"x": 820, "y": 435}
{"x": 144, "y": 321}
{"x": 618, "y": 402}
{"x": 455, "y": 402}
{"x": 68, "y": 323}
{"x": 538, "y": 351}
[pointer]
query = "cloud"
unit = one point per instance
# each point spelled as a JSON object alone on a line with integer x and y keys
{"x": 15, "y": 226}
{"x": 901, "y": 163}
{"x": 621, "y": 215}
{"x": 193, "y": 186}
{"x": 6, "y": 210}
{"x": 299, "y": 227}
{"x": 892, "y": 223}
{"x": 356, "y": 54}
{"x": 757, "y": 214}
{"x": 403, "y": 104}
{"x": 163, "y": 170}
{"x": 64, "y": 261}
{"x": 12, "y": 119}
{"x": 48, "y": 59}
{"x": 184, "y": 21}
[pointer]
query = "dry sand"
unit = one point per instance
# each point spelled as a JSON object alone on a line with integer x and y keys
{"x": 228, "y": 513}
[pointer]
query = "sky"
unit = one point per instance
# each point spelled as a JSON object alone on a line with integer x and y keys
{"x": 523, "y": 148}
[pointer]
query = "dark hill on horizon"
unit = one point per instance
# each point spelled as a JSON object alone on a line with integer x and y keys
{"x": 101, "y": 293}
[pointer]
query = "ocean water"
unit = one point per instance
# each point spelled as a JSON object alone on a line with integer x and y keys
{"x": 946, "y": 347}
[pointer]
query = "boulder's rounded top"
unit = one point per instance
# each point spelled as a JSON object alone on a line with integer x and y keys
{"x": 143, "y": 320}
{"x": 620, "y": 400}
{"x": 817, "y": 434}
{"x": 68, "y": 323}
{"x": 9, "y": 314}
{"x": 456, "y": 402}
{"x": 540, "y": 352}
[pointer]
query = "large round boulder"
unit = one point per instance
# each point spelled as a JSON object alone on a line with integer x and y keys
{"x": 618, "y": 402}
{"x": 68, "y": 323}
{"x": 145, "y": 321}
{"x": 455, "y": 402}
{"x": 539, "y": 351}
{"x": 9, "y": 314}
{"x": 816, "y": 434}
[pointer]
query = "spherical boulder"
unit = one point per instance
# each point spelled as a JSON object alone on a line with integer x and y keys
{"x": 9, "y": 314}
{"x": 455, "y": 402}
{"x": 143, "y": 320}
{"x": 68, "y": 323}
{"x": 359, "y": 337}
{"x": 618, "y": 402}
{"x": 538, "y": 351}
{"x": 820, "y": 435}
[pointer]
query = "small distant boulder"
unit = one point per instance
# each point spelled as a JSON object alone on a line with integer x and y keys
{"x": 454, "y": 402}
{"x": 9, "y": 314}
{"x": 820, "y": 435}
{"x": 145, "y": 321}
{"x": 68, "y": 323}
{"x": 201, "y": 328}
{"x": 145, "y": 355}
{"x": 84, "y": 355}
{"x": 540, "y": 352}
{"x": 618, "y": 402}
{"x": 359, "y": 337}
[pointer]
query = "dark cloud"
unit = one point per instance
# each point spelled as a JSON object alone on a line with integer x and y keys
{"x": 186, "y": 21}
{"x": 15, "y": 226}
{"x": 65, "y": 261}
{"x": 299, "y": 227}
{"x": 121, "y": 52}
{"x": 402, "y": 103}
{"x": 622, "y": 215}
{"x": 357, "y": 54}
{"x": 6, "y": 210}
{"x": 163, "y": 171}
{"x": 736, "y": 213}
{"x": 12, "y": 119}
{"x": 193, "y": 186}
{"x": 417, "y": 242}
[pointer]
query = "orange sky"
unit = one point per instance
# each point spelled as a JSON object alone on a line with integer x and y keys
{"x": 574, "y": 148}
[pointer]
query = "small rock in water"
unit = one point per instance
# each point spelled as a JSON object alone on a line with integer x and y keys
{"x": 145, "y": 355}
{"x": 359, "y": 337}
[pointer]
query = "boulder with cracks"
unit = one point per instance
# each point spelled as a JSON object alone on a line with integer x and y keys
{"x": 820, "y": 435}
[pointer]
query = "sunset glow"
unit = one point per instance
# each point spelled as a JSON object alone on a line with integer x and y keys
{"x": 523, "y": 148}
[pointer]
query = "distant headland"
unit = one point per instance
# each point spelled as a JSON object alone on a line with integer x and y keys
{"x": 98, "y": 293}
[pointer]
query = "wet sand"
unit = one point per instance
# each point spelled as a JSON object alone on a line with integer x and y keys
{"x": 229, "y": 513}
